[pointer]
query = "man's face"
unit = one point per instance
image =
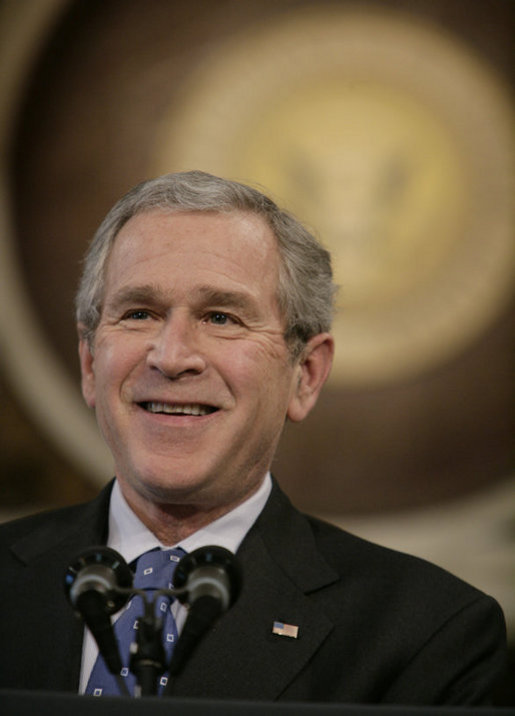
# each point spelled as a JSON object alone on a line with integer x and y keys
{"x": 189, "y": 372}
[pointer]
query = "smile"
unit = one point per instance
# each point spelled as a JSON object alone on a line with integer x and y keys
{"x": 174, "y": 409}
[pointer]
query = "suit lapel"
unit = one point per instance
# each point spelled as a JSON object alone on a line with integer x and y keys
{"x": 46, "y": 552}
{"x": 241, "y": 657}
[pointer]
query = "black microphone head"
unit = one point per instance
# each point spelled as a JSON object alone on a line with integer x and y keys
{"x": 103, "y": 571}
{"x": 211, "y": 571}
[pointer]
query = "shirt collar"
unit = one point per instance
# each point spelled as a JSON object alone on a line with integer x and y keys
{"x": 130, "y": 537}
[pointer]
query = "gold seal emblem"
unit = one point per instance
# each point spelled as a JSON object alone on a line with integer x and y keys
{"x": 395, "y": 144}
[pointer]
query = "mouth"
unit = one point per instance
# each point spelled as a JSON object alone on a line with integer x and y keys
{"x": 194, "y": 409}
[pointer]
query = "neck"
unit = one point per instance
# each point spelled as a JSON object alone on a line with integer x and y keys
{"x": 173, "y": 522}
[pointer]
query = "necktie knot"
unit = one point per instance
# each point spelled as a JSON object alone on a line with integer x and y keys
{"x": 154, "y": 569}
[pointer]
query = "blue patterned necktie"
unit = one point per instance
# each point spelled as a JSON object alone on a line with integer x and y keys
{"x": 154, "y": 570}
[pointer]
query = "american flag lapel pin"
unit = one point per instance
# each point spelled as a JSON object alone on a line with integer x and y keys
{"x": 282, "y": 629}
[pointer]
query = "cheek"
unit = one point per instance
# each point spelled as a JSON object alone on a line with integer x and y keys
{"x": 115, "y": 361}
{"x": 265, "y": 353}
{"x": 248, "y": 366}
{"x": 262, "y": 373}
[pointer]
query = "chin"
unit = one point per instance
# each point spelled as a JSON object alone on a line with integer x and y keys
{"x": 170, "y": 488}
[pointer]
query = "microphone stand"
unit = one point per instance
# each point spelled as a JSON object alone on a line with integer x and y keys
{"x": 147, "y": 660}
{"x": 147, "y": 656}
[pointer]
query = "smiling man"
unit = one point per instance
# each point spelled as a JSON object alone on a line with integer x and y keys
{"x": 204, "y": 313}
{"x": 189, "y": 370}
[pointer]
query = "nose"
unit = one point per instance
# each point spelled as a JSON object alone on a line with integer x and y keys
{"x": 175, "y": 349}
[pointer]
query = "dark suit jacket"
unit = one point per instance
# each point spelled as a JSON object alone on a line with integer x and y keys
{"x": 375, "y": 626}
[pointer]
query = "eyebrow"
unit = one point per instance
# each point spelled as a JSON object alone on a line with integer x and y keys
{"x": 135, "y": 294}
{"x": 220, "y": 297}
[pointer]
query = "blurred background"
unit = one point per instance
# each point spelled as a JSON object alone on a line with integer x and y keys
{"x": 388, "y": 127}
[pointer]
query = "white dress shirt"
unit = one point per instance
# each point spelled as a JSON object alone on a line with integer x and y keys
{"x": 131, "y": 538}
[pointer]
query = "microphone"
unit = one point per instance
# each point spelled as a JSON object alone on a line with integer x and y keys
{"x": 210, "y": 580}
{"x": 92, "y": 583}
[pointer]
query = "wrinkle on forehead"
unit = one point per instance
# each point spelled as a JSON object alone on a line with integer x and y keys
{"x": 234, "y": 260}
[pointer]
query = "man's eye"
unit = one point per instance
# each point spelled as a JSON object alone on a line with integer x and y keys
{"x": 138, "y": 315}
{"x": 218, "y": 318}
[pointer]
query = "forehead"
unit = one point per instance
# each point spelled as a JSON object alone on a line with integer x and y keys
{"x": 233, "y": 227}
{"x": 235, "y": 248}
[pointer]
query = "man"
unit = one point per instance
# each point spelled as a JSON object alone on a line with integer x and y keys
{"x": 203, "y": 316}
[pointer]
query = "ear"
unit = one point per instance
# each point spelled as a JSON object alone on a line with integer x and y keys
{"x": 312, "y": 370}
{"x": 86, "y": 367}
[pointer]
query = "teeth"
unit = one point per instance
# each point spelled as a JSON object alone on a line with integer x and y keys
{"x": 171, "y": 409}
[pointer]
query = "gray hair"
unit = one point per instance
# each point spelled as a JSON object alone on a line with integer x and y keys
{"x": 305, "y": 288}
